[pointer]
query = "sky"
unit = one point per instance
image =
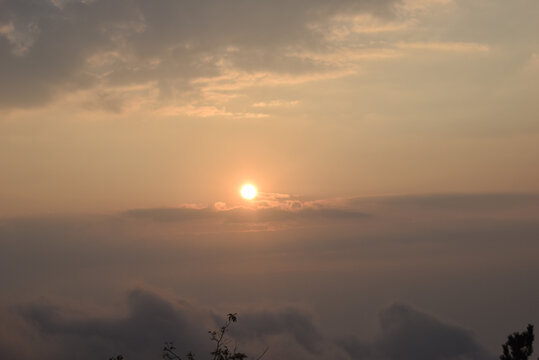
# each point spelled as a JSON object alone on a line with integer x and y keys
{"x": 393, "y": 143}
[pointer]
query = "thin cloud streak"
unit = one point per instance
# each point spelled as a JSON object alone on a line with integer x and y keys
{"x": 269, "y": 207}
{"x": 444, "y": 46}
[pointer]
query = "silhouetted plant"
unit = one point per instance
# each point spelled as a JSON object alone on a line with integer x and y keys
{"x": 519, "y": 346}
{"x": 221, "y": 351}
{"x": 170, "y": 354}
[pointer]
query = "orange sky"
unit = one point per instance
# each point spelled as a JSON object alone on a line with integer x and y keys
{"x": 138, "y": 111}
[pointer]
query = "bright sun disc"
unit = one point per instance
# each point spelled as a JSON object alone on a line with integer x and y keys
{"x": 248, "y": 192}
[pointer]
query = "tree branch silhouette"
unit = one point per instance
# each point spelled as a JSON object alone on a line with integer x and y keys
{"x": 519, "y": 346}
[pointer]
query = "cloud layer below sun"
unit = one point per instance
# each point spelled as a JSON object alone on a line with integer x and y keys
{"x": 283, "y": 333}
{"x": 307, "y": 277}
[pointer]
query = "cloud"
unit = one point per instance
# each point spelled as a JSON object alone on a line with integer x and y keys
{"x": 152, "y": 319}
{"x": 276, "y": 103}
{"x": 261, "y": 324}
{"x": 457, "y": 47}
{"x": 423, "y": 5}
{"x": 268, "y": 207}
{"x": 347, "y": 26}
{"x": 455, "y": 204}
{"x": 50, "y": 47}
{"x": 207, "y": 111}
{"x": 407, "y": 334}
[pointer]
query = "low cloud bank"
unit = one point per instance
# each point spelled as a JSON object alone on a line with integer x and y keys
{"x": 342, "y": 258}
{"x": 408, "y": 334}
{"x": 151, "y": 319}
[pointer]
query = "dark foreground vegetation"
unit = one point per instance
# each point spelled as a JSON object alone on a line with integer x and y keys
{"x": 519, "y": 346}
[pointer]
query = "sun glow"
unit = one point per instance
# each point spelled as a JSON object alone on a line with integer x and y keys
{"x": 248, "y": 191}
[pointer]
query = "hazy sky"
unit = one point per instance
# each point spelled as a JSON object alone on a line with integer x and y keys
{"x": 394, "y": 144}
{"x": 106, "y": 105}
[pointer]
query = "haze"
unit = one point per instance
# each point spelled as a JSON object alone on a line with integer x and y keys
{"x": 393, "y": 145}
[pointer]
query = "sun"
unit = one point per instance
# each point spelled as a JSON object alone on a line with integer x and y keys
{"x": 248, "y": 191}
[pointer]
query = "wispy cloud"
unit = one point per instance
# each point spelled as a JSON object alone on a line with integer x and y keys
{"x": 207, "y": 111}
{"x": 276, "y": 103}
{"x": 444, "y": 46}
{"x": 128, "y": 42}
{"x": 268, "y": 208}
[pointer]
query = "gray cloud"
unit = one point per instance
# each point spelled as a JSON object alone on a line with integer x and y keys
{"x": 244, "y": 215}
{"x": 265, "y": 323}
{"x": 152, "y": 319}
{"x": 272, "y": 210}
{"x": 49, "y": 47}
{"x": 469, "y": 202}
{"x": 409, "y": 334}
